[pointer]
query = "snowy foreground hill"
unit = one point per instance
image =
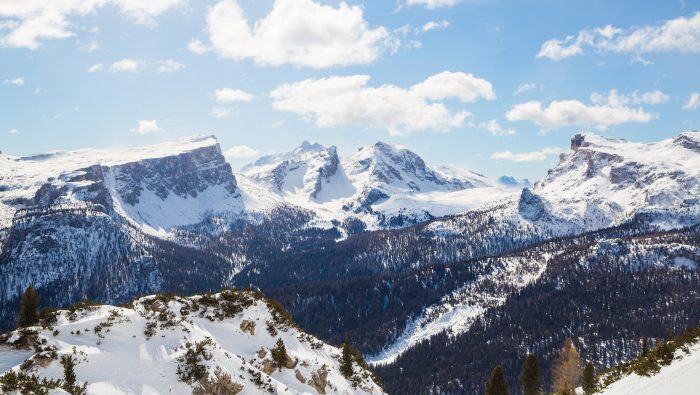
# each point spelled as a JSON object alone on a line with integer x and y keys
{"x": 214, "y": 343}
{"x": 671, "y": 368}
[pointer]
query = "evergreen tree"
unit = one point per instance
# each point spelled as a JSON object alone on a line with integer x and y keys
{"x": 530, "y": 378}
{"x": 588, "y": 380}
{"x": 346, "y": 360}
{"x": 645, "y": 346}
{"x": 497, "y": 383}
{"x": 28, "y": 309}
{"x": 68, "y": 370}
{"x": 566, "y": 370}
{"x": 279, "y": 354}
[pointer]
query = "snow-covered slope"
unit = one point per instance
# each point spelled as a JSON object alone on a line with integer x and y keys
{"x": 680, "y": 377}
{"x": 218, "y": 343}
{"x": 605, "y": 182}
{"x": 382, "y": 185}
{"x": 156, "y": 188}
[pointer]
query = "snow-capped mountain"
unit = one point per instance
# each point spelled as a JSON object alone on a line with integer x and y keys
{"x": 382, "y": 185}
{"x": 156, "y": 188}
{"x": 605, "y": 182}
{"x": 206, "y": 344}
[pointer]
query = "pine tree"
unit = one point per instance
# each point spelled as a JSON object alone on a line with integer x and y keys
{"x": 588, "y": 380}
{"x": 566, "y": 370}
{"x": 28, "y": 309}
{"x": 279, "y": 354}
{"x": 530, "y": 378}
{"x": 497, "y": 383}
{"x": 346, "y": 360}
{"x": 68, "y": 370}
{"x": 645, "y": 346}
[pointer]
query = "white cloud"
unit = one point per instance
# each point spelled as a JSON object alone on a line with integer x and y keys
{"x": 463, "y": 86}
{"x": 560, "y": 113}
{"x": 432, "y": 4}
{"x": 693, "y": 102}
{"x": 675, "y": 35}
{"x": 229, "y": 95}
{"x": 241, "y": 151}
{"x": 146, "y": 126}
{"x": 96, "y": 67}
{"x": 443, "y": 24}
{"x": 169, "y": 66}
{"x": 13, "y": 131}
{"x": 126, "y": 65}
{"x": 522, "y": 88}
{"x": 297, "y": 32}
{"x": 19, "y": 81}
{"x": 535, "y": 156}
{"x": 496, "y": 129}
{"x": 218, "y": 112}
{"x": 613, "y": 98}
{"x": 348, "y": 101}
{"x": 26, "y": 23}
{"x": 136, "y": 66}
{"x": 198, "y": 47}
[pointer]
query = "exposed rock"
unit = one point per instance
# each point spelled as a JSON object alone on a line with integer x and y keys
{"x": 299, "y": 376}
{"x": 319, "y": 380}
{"x": 268, "y": 366}
{"x": 249, "y": 327}
{"x": 531, "y": 206}
{"x": 261, "y": 353}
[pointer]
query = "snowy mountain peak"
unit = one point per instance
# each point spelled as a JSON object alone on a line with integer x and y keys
{"x": 606, "y": 181}
{"x": 158, "y": 187}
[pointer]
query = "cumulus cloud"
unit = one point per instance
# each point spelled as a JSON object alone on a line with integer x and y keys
{"x": 675, "y": 35}
{"x": 463, "y": 86}
{"x": 126, "y": 65}
{"x": 348, "y": 101}
{"x": 496, "y": 129}
{"x": 230, "y": 95}
{"x": 136, "y": 66}
{"x": 197, "y": 47}
{"x": 19, "y": 81}
{"x": 432, "y": 25}
{"x": 603, "y": 112}
{"x": 169, "y": 66}
{"x": 241, "y": 151}
{"x": 146, "y": 126}
{"x": 26, "y": 23}
{"x": 535, "y": 156}
{"x": 693, "y": 102}
{"x": 432, "y": 4}
{"x": 297, "y": 32}
{"x": 522, "y": 88}
{"x": 614, "y": 98}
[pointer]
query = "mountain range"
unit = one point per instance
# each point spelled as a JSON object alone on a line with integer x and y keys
{"x": 410, "y": 261}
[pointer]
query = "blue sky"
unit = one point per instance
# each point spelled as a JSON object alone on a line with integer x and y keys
{"x": 495, "y": 86}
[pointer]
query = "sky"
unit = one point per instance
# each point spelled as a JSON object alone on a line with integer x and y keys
{"x": 495, "y": 86}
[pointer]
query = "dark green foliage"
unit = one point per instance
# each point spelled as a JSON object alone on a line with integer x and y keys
{"x": 645, "y": 346}
{"x": 497, "y": 383}
{"x": 279, "y": 354}
{"x": 189, "y": 368}
{"x": 531, "y": 377}
{"x": 27, "y": 384}
{"x": 346, "y": 360}
{"x": 29, "y": 308}
{"x": 588, "y": 379}
{"x": 70, "y": 384}
{"x": 68, "y": 370}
